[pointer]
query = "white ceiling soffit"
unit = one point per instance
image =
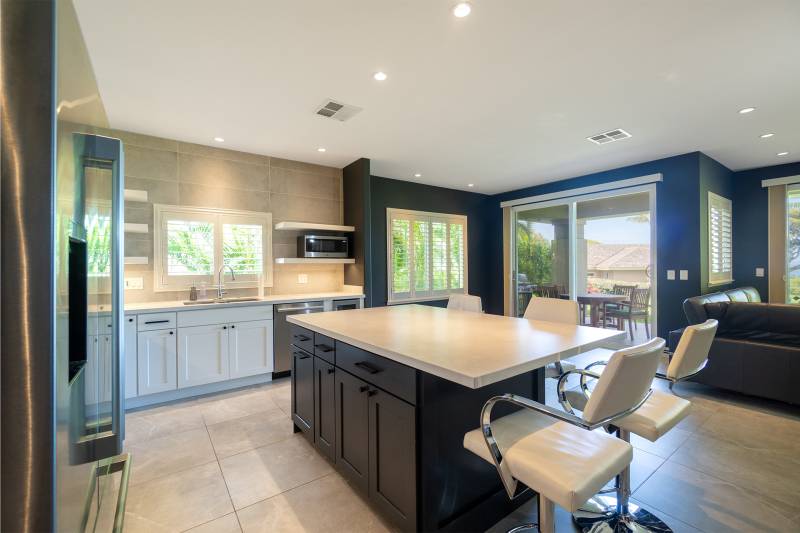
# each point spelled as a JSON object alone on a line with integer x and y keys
{"x": 504, "y": 98}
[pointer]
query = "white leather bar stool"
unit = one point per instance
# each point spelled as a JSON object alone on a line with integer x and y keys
{"x": 554, "y": 310}
{"x": 465, "y": 302}
{"x": 557, "y": 454}
{"x": 659, "y": 414}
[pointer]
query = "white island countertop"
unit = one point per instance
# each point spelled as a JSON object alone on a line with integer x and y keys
{"x": 178, "y": 305}
{"x": 472, "y": 349}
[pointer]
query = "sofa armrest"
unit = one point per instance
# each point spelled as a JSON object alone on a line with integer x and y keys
{"x": 674, "y": 338}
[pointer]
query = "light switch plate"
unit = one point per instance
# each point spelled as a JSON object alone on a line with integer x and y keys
{"x": 759, "y": 272}
{"x": 671, "y": 275}
{"x": 134, "y": 284}
{"x": 302, "y": 278}
{"x": 684, "y": 275}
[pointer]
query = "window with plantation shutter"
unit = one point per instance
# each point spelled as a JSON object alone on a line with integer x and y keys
{"x": 427, "y": 255}
{"x": 192, "y": 243}
{"x": 720, "y": 241}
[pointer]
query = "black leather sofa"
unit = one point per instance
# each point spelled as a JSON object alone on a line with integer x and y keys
{"x": 757, "y": 347}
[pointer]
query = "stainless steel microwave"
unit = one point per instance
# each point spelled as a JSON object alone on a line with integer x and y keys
{"x": 322, "y": 246}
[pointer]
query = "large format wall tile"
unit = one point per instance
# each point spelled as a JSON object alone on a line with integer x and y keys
{"x": 222, "y": 153}
{"x": 191, "y": 194}
{"x": 304, "y": 208}
{"x": 286, "y": 181}
{"x": 158, "y": 191}
{"x": 276, "y": 162}
{"x": 152, "y": 164}
{"x": 215, "y": 172}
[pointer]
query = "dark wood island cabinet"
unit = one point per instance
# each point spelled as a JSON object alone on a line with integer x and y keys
{"x": 391, "y": 414}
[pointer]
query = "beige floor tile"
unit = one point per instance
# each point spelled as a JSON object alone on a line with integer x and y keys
{"x": 226, "y": 524}
{"x": 754, "y": 429}
{"x": 162, "y": 421}
{"x": 179, "y": 501}
{"x": 229, "y": 408}
{"x": 663, "y": 447}
{"x": 282, "y": 396}
{"x": 248, "y": 432}
{"x": 775, "y": 474}
{"x": 164, "y": 455}
{"x": 710, "y": 504}
{"x": 327, "y": 504}
{"x": 643, "y": 466}
{"x": 264, "y": 472}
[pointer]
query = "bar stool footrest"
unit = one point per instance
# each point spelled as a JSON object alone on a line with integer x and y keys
{"x": 600, "y": 514}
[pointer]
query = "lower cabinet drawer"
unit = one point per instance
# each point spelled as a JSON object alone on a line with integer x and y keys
{"x": 302, "y": 338}
{"x": 325, "y": 348}
{"x": 393, "y": 377}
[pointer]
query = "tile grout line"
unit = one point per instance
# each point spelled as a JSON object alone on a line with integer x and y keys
{"x": 285, "y": 491}
{"x": 224, "y": 479}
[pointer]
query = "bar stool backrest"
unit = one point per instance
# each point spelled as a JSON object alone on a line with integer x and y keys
{"x": 465, "y": 302}
{"x": 691, "y": 353}
{"x": 552, "y": 310}
{"x": 625, "y": 382}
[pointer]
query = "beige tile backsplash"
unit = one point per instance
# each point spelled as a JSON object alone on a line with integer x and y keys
{"x": 179, "y": 173}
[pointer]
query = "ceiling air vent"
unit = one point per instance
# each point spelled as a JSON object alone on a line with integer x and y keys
{"x": 337, "y": 110}
{"x": 609, "y": 136}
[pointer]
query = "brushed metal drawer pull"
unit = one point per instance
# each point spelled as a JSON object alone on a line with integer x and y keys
{"x": 324, "y": 347}
{"x": 156, "y": 321}
{"x": 331, "y": 371}
{"x": 368, "y": 367}
{"x": 301, "y": 338}
{"x": 363, "y": 388}
{"x": 301, "y": 355}
{"x": 373, "y": 392}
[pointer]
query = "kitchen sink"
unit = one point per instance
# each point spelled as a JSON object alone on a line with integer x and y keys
{"x": 222, "y": 300}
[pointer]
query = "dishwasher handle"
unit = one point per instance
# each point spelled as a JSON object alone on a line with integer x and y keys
{"x": 291, "y": 309}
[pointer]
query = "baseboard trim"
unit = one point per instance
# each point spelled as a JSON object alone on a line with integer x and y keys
{"x": 192, "y": 392}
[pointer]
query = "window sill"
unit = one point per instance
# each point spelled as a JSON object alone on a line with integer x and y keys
{"x": 418, "y": 300}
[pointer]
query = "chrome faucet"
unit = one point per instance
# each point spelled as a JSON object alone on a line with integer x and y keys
{"x": 221, "y": 284}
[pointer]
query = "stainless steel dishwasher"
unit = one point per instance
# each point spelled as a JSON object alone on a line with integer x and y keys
{"x": 282, "y": 337}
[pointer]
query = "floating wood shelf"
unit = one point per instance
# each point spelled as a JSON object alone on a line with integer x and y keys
{"x": 300, "y": 226}
{"x": 134, "y": 260}
{"x": 133, "y": 195}
{"x": 130, "y": 227}
{"x": 314, "y": 260}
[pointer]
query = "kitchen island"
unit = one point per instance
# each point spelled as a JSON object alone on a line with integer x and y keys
{"x": 387, "y": 393}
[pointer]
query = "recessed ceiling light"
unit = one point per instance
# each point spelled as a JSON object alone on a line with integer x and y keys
{"x": 321, "y": 149}
{"x": 767, "y": 135}
{"x": 470, "y": 184}
{"x": 746, "y": 110}
{"x": 781, "y": 154}
{"x": 418, "y": 175}
{"x": 219, "y": 139}
{"x": 462, "y": 9}
{"x": 380, "y": 76}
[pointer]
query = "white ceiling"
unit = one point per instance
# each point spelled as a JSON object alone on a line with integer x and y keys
{"x": 503, "y": 98}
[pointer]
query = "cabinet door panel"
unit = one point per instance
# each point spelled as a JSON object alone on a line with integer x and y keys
{"x": 352, "y": 429}
{"x": 202, "y": 355}
{"x": 130, "y": 356}
{"x": 325, "y": 408}
{"x": 303, "y": 392}
{"x": 392, "y": 458}
{"x": 157, "y": 361}
{"x": 91, "y": 371}
{"x": 250, "y": 348}
{"x": 105, "y": 368}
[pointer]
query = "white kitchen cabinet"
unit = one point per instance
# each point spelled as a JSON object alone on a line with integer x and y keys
{"x": 250, "y": 345}
{"x": 202, "y": 355}
{"x": 129, "y": 356}
{"x": 91, "y": 371}
{"x": 104, "y": 357}
{"x": 157, "y": 361}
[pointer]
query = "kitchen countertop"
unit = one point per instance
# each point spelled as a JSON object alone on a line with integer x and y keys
{"x": 472, "y": 349}
{"x": 178, "y": 305}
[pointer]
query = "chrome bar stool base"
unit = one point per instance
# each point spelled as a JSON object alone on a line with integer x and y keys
{"x": 636, "y": 520}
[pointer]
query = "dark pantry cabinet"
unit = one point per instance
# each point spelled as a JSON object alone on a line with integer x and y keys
{"x": 325, "y": 408}
{"x": 303, "y": 392}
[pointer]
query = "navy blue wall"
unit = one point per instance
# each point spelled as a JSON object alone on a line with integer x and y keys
{"x": 399, "y": 194}
{"x": 717, "y": 178}
{"x": 750, "y": 226}
{"x": 677, "y": 216}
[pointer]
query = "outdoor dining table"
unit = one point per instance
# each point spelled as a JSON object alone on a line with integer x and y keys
{"x": 596, "y": 300}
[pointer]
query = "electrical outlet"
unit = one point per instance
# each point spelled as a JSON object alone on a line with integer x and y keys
{"x": 759, "y": 272}
{"x": 684, "y": 275}
{"x": 302, "y": 278}
{"x": 134, "y": 284}
{"x": 671, "y": 275}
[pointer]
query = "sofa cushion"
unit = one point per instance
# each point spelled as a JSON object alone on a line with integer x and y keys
{"x": 758, "y": 322}
{"x": 694, "y": 307}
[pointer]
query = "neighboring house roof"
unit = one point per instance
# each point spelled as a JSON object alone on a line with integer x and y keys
{"x": 617, "y": 256}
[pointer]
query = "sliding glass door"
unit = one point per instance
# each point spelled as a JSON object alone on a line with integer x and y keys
{"x": 597, "y": 249}
{"x": 793, "y": 244}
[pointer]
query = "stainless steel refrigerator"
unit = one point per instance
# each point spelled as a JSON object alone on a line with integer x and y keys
{"x": 61, "y": 409}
